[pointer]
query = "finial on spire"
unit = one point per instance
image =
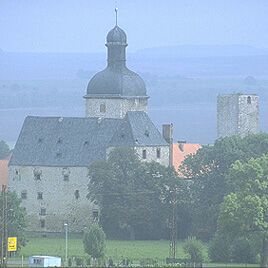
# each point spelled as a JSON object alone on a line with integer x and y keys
{"x": 116, "y": 11}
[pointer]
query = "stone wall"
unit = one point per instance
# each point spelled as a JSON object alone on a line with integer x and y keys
{"x": 114, "y": 108}
{"x": 237, "y": 114}
{"x": 248, "y": 117}
{"x": 151, "y": 154}
{"x": 64, "y": 192}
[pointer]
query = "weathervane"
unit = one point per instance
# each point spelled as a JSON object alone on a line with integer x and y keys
{"x": 116, "y": 11}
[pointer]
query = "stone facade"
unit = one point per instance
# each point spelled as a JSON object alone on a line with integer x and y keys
{"x": 159, "y": 154}
{"x": 113, "y": 107}
{"x": 53, "y": 196}
{"x": 237, "y": 114}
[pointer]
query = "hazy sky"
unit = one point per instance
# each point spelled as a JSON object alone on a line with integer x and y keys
{"x": 81, "y": 25}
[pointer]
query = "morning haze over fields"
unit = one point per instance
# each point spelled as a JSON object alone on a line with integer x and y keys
{"x": 133, "y": 133}
{"x": 49, "y": 50}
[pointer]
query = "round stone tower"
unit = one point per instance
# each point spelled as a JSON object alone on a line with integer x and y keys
{"x": 116, "y": 90}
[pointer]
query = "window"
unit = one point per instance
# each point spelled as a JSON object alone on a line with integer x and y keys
{"x": 24, "y": 194}
{"x": 95, "y": 215}
{"x": 249, "y": 100}
{"x": 58, "y": 155}
{"x": 43, "y": 212}
{"x": 16, "y": 172}
{"x": 76, "y": 194}
{"x": 37, "y": 176}
{"x": 103, "y": 108}
{"x": 144, "y": 154}
{"x": 158, "y": 153}
{"x": 59, "y": 140}
{"x": 66, "y": 177}
{"x": 39, "y": 195}
{"x": 42, "y": 223}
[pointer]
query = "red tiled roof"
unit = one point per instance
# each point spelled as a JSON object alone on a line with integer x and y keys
{"x": 181, "y": 151}
{"x": 3, "y": 172}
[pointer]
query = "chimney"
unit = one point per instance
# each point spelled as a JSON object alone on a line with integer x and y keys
{"x": 181, "y": 145}
{"x": 167, "y": 132}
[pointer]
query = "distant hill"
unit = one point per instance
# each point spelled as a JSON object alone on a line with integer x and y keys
{"x": 202, "y": 51}
{"x": 186, "y": 61}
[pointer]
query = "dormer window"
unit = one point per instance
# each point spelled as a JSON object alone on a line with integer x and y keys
{"x": 58, "y": 155}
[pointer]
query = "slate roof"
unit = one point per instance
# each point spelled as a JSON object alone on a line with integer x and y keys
{"x": 70, "y": 141}
{"x": 116, "y": 79}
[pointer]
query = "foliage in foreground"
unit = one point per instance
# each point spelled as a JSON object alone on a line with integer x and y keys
{"x": 134, "y": 196}
{"x": 4, "y": 150}
{"x": 16, "y": 218}
{"x": 94, "y": 241}
{"x": 244, "y": 211}
{"x": 194, "y": 250}
{"x": 208, "y": 170}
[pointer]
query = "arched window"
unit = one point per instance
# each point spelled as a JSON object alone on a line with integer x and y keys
{"x": 103, "y": 108}
{"x": 249, "y": 100}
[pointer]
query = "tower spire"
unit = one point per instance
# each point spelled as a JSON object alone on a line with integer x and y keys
{"x": 116, "y": 13}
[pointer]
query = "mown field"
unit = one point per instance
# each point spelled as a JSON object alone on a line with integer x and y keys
{"x": 116, "y": 249}
{"x": 136, "y": 251}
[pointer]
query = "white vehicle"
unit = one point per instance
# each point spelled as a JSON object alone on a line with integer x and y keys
{"x": 44, "y": 261}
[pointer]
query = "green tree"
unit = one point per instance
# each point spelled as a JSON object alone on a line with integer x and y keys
{"x": 244, "y": 212}
{"x": 94, "y": 242}
{"x": 16, "y": 218}
{"x": 134, "y": 196}
{"x": 208, "y": 169}
{"x": 4, "y": 150}
{"x": 194, "y": 249}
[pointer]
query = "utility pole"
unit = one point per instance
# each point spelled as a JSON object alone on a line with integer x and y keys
{"x": 173, "y": 226}
{"x": 4, "y": 227}
{"x": 66, "y": 244}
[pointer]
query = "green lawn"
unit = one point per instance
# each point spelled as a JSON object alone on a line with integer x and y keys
{"x": 116, "y": 249}
{"x": 133, "y": 250}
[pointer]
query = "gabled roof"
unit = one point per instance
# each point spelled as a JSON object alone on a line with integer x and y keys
{"x": 137, "y": 130}
{"x": 70, "y": 141}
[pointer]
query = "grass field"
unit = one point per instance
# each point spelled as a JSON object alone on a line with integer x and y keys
{"x": 117, "y": 249}
{"x": 134, "y": 250}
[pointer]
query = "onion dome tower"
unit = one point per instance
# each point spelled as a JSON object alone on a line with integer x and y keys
{"x": 116, "y": 90}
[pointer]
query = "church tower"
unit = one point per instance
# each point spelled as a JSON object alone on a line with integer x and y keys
{"x": 116, "y": 90}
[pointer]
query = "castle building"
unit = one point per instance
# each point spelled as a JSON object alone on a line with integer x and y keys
{"x": 49, "y": 165}
{"x": 237, "y": 114}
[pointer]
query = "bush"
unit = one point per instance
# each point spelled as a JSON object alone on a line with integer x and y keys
{"x": 242, "y": 251}
{"x": 239, "y": 250}
{"x": 94, "y": 241}
{"x": 219, "y": 249}
{"x": 194, "y": 249}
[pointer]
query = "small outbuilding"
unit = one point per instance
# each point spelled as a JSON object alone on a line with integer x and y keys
{"x": 44, "y": 261}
